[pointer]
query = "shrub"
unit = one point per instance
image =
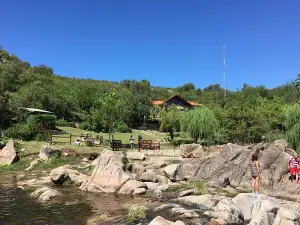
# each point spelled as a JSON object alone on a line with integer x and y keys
{"x": 43, "y": 137}
{"x": 136, "y": 212}
{"x": 41, "y": 122}
{"x": 123, "y": 128}
{"x": 64, "y": 123}
{"x": 86, "y": 126}
{"x": 181, "y": 141}
{"x": 21, "y": 132}
{"x": 199, "y": 185}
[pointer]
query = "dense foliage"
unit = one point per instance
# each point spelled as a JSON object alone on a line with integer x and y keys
{"x": 248, "y": 115}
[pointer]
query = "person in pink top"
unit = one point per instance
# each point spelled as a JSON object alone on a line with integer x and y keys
{"x": 293, "y": 164}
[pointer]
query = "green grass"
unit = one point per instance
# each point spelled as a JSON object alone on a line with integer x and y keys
{"x": 33, "y": 147}
{"x": 136, "y": 212}
{"x": 199, "y": 185}
{"x": 57, "y": 161}
{"x": 20, "y": 165}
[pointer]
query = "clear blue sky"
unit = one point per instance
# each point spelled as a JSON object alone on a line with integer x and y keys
{"x": 168, "y": 42}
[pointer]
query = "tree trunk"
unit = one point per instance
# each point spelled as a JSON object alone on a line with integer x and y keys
{"x": 171, "y": 134}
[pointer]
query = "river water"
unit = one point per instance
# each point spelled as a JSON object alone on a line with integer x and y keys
{"x": 74, "y": 207}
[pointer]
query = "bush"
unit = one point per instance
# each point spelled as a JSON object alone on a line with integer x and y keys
{"x": 123, "y": 128}
{"x": 181, "y": 142}
{"x": 21, "y": 132}
{"x": 85, "y": 126}
{"x": 64, "y": 123}
{"x": 41, "y": 122}
{"x": 136, "y": 212}
{"x": 43, "y": 137}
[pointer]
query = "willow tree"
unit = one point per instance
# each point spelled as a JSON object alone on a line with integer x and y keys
{"x": 292, "y": 123}
{"x": 170, "y": 119}
{"x": 200, "y": 123}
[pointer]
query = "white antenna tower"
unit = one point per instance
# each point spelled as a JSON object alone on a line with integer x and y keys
{"x": 224, "y": 66}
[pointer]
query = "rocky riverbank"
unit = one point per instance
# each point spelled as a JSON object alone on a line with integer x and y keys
{"x": 210, "y": 189}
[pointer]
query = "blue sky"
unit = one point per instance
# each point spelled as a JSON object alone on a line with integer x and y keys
{"x": 168, "y": 42}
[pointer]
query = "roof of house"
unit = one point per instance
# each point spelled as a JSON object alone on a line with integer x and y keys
{"x": 36, "y": 110}
{"x": 177, "y": 95}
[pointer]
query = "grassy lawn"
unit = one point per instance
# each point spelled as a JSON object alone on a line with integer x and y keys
{"x": 31, "y": 147}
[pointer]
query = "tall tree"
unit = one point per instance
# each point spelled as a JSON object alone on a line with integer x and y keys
{"x": 200, "y": 123}
{"x": 170, "y": 120}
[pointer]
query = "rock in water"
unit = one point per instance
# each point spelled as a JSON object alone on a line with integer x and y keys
{"x": 108, "y": 175}
{"x": 8, "y": 154}
{"x": 59, "y": 175}
{"x": 46, "y": 152}
{"x": 45, "y": 194}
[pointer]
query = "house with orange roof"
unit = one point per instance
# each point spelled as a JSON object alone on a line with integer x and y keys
{"x": 177, "y": 100}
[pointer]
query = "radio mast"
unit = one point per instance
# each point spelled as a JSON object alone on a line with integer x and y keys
{"x": 224, "y": 66}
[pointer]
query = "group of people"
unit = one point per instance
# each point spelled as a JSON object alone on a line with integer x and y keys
{"x": 293, "y": 165}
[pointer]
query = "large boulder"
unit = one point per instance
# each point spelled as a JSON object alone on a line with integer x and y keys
{"x": 228, "y": 211}
{"x": 59, "y": 175}
{"x": 108, "y": 175}
{"x": 195, "y": 150}
{"x": 130, "y": 186}
{"x": 47, "y": 152}
{"x": 171, "y": 171}
{"x": 149, "y": 176}
{"x": 245, "y": 201}
{"x": 8, "y": 154}
{"x": 287, "y": 217}
{"x": 45, "y": 194}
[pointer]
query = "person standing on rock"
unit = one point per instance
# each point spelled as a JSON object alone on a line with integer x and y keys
{"x": 255, "y": 173}
{"x": 293, "y": 166}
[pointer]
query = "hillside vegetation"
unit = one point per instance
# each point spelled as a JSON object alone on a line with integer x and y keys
{"x": 248, "y": 115}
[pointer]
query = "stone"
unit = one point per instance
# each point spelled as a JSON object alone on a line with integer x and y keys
{"x": 171, "y": 171}
{"x": 228, "y": 211}
{"x": 140, "y": 191}
{"x": 149, "y": 176}
{"x": 108, "y": 175}
{"x": 32, "y": 164}
{"x": 163, "y": 187}
{"x": 135, "y": 155}
{"x": 8, "y": 154}
{"x": 287, "y": 217}
{"x": 192, "y": 150}
{"x": 245, "y": 201}
{"x": 188, "y": 192}
{"x": 130, "y": 186}
{"x": 47, "y": 152}
{"x": 162, "y": 179}
{"x": 161, "y": 221}
{"x": 152, "y": 186}
{"x": 59, "y": 175}
{"x": 77, "y": 177}
{"x": 203, "y": 202}
{"x": 45, "y": 194}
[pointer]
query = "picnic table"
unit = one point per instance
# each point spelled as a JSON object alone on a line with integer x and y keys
{"x": 148, "y": 145}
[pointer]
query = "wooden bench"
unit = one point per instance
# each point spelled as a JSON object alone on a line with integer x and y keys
{"x": 149, "y": 145}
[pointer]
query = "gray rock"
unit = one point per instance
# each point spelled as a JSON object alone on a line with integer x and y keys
{"x": 130, "y": 186}
{"x": 287, "y": 217}
{"x": 195, "y": 150}
{"x": 171, "y": 171}
{"x": 140, "y": 191}
{"x": 228, "y": 211}
{"x": 59, "y": 175}
{"x": 245, "y": 201}
{"x": 188, "y": 192}
{"x": 8, "y": 154}
{"x": 45, "y": 194}
{"x": 161, "y": 221}
{"x": 203, "y": 202}
{"x": 108, "y": 175}
{"x": 136, "y": 156}
{"x": 47, "y": 152}
{"x": 77, "y": 177}
{"x": 152, "y": 186}
{"x": 149, "y": 176}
